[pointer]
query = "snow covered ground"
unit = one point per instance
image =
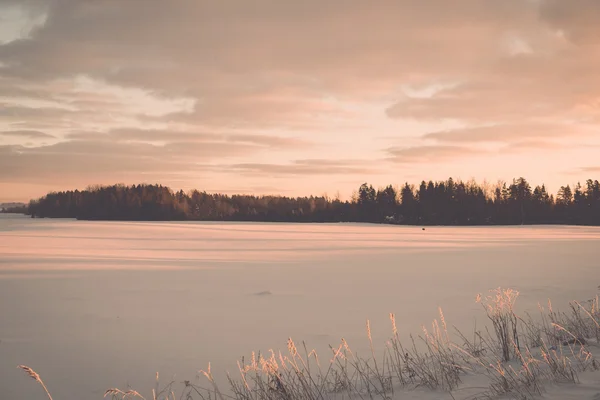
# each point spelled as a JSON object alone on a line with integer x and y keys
{"x": 93, "y": 305}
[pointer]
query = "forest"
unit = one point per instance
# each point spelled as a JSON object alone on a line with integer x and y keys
{"x": 450, "y": 202}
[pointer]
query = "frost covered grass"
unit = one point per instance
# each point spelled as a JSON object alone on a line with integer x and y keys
{"x": 511, "y": 356}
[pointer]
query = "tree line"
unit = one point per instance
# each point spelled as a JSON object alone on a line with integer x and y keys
{"x": 449, "y": 202}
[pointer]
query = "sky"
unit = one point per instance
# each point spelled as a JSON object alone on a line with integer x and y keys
{"x": 296, "y": 97}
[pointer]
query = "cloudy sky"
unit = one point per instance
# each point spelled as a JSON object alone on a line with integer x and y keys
{"x": 296, "y": 97}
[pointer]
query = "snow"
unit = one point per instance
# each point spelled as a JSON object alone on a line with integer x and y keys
{"x": 94, "y": 305}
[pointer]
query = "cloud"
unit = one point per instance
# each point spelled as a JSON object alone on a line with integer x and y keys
{"x": 590, "y": 169}
{"x": 578, "y": 19}
{"x": 81, "y": 103}
{"x": 306, "y": 167}
{"x": 108, "y": 162}
{"x": 178, "y": 136}
{"x": 506, "y": 97}
{"x": 502, "y": 139}
{"x": 137, "y": 101}
{"x": 503, "y": 133}
{"x": 274, "y": 62}
{"x": 534, "y": 145}
{"x": 27, "y": 134}
{"x": 18, "y": 112}
{"x": 86, "y": 160}
{"x": 430, "y": 153}
{"x": 18, "y": 21}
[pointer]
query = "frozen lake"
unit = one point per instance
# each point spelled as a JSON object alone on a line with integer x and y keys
{"x": 93, "y": 305}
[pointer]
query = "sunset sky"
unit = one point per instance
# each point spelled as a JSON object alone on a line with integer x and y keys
{"x": 296, "y": 97}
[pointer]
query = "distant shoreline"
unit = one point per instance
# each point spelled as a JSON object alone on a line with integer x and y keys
{"x": 420, "y": 227}
{"x": 442, "y": 203}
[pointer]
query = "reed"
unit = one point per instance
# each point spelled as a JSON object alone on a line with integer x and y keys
{"x": 518, "y": 357}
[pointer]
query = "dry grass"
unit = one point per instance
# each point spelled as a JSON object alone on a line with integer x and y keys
{"x": 499, "y": 307}
{"x": 36, "y": 377}
{"x": 518, "y": 356}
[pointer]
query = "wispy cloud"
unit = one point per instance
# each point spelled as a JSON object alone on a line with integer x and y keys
{"x": 591, "y": 169}
{"x": 178, "y": 136}
{"x": 306, "y": 167}
{"x": 505, "y": 133}
{"x": 430, "y": 153}
{"x": 29, "y": 134}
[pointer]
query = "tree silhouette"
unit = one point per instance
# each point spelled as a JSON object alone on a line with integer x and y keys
{"x": 450, "y": 202}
